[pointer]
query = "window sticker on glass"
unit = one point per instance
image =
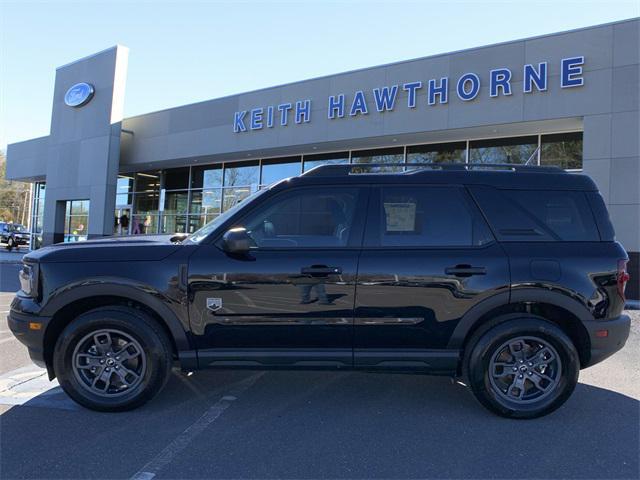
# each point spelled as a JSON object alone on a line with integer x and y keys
{"x": 401, "y": 217}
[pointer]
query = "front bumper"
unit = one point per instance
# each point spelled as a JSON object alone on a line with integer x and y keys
{"x": 603, "y": 347}
{"x": 29, "y": 329}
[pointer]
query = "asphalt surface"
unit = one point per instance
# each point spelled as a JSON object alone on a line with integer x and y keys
{"x": 276, "y": 424}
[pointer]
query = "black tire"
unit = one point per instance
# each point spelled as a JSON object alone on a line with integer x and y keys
{"x": 149, "y": 359}
{"x": 525, "y": 393}
{"x": 10, "y": 244}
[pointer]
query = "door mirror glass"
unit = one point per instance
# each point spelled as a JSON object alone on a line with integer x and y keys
{"x": 236, "y": 240}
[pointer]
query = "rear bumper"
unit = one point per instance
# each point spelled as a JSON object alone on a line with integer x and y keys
{"x": 24, "y": 327}
{"x": 603, "y": 347}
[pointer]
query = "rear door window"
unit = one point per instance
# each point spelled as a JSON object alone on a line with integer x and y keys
{"x": 537, "y": 215}
{"x": 427, "y": 216}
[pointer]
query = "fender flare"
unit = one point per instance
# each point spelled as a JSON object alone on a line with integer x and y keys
{"x": 143, "y": 294}
{"x": 560, "y": 298}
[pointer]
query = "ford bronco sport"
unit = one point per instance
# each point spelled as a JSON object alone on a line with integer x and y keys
{"x": 508, "y": 276}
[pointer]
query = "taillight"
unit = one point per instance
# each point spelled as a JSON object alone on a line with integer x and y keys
{"x": 623, "y": 277}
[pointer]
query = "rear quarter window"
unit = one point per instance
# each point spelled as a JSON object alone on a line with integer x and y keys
{"x": 538, "y": 215}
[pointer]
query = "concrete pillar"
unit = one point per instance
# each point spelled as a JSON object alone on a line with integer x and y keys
{"x": 84, "y": 143}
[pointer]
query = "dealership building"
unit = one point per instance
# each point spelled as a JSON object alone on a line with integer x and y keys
{"x": 569, "y": 99}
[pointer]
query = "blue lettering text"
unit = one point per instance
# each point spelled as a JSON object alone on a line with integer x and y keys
{"x": 465, "y": 93}
{"x": 441, "y": 90}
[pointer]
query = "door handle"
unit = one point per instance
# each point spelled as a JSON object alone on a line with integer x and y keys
{"x": 465, "y": 271}
{"x": 321, "y": 269}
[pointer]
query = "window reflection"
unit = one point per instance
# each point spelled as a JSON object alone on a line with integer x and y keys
{"x": 206, "y": 201}
{"x": 124, "y": 188}
{"x": 381, "y": 155}
{"x": 312, "y": 161}
{"x": 175, "y": 202}
{"x": 455, "y": 152}
{"x": 563, "y": 150}
{"x": 146, "y": 203}
{"x": 213, "y": 189}
{"x": 147, "y": 181}
{"x": 275, "y": 170}
{"x": 504, "y": 150}
{"x": 209, "y": 176}
{"x": 241, "y": 174}
{"x": 233, "y": 196}
{"x": 176, "y": 178}
{"x": 76, "y": 221}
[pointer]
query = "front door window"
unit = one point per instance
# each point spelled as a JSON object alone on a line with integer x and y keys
{"x": 76, "y": 220}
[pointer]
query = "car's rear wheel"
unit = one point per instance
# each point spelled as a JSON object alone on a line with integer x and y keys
{"x": 522, "y": 368}
{"x": 112, "y": 358}
{"x": 10, "y": 244}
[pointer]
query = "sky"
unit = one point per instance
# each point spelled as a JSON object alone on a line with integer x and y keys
{"x": 183, "y": 52}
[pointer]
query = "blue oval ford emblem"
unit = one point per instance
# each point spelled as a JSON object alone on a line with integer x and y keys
{"x": 79, "y": 94}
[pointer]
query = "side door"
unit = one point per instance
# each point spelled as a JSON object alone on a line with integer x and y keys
{"x": 290, "y": 300}
{"x": 428, "y": 257}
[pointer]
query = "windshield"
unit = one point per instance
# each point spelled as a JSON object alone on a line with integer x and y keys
{"x": 202, "y": 233}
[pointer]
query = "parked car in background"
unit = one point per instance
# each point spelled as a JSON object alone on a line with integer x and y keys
{"x": 13, "y": 235}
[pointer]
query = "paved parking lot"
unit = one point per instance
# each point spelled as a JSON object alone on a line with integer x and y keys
{"x": 246, "y": 424}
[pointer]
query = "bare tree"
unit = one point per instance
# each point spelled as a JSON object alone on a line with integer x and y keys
{"x": 15, "y": 197}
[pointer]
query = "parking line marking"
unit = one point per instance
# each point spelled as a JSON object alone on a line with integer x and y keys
{"x": 182, "y": 441}
{"x": 5, "y": 340}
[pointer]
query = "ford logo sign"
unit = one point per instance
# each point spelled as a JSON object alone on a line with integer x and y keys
{"x": 79, "y": 94}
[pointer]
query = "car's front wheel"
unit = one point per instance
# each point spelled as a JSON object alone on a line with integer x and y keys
{"x": 522, "y": 368}
{"x": 112, "y": 358}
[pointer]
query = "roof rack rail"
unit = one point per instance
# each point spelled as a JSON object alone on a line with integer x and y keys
{"x": 413, "y": 168}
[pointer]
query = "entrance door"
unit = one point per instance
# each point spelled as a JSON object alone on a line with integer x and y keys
{"x": 428, "y": 257}
{"x": 122, "y": 223}
{"x": 290, "y": 300}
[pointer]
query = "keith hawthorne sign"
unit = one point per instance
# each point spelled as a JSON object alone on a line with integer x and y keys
{"x": 435, "y": 91}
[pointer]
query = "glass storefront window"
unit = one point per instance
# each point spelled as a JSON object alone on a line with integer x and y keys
{"x": 312, "y": 161}
{"x": 454, "y": 152}
{"x": 206, "y": 201}
{"x": 176, "y": 178}
{"x": 78, "y": 207}
{"x": 123, "y": 190}
{"x": 381, "y": 155}
{"x": 241, "y": 174}
{"x": 213, "y": 189}
{"x": 504, "y": 150}
{"x": 144, "y": 224}
{"x": 563, "y": 150}
{"x": 76, "y": 221}
{"x": 174, "y": 224}
{"x": 207, "y": 176}
{"x": 175, "y": 202}
{"x": 203, "y": 219}
{"x": 180, "y": 223}
{"x": 37, "y": 215}
{"x": 146, "y": 203}
{"x": 277, "y": 169}
{"x": 233, "y": 196}
{"x": 146, "y": 181}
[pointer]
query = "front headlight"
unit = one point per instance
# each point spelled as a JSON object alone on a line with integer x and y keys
{"x": 29, "y": 279}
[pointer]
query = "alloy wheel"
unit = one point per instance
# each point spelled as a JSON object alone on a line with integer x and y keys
{"x": 525, "y": 370}
{"x": 109, "y": 362}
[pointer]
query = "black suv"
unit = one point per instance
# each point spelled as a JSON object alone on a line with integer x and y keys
{"x": 508, "y": 276}
{"x": 13, "y": 235}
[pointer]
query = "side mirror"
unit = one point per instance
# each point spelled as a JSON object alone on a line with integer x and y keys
{"x": 236, "y": 241}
